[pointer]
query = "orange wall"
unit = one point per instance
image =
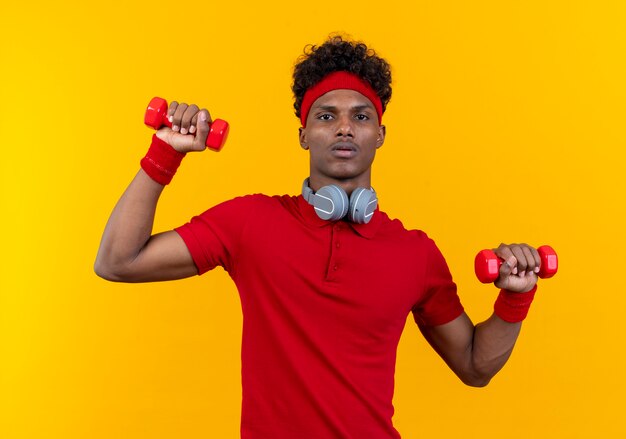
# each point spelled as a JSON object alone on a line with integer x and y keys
{"x": 506, "y": 124}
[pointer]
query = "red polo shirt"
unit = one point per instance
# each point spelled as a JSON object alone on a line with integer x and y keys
{"x": 324, "y": 304}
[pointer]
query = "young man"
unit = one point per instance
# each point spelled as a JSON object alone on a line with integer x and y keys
{"x": 326, "y": 279}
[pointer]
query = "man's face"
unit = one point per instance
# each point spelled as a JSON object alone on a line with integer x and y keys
{"x": 342, "y": 135}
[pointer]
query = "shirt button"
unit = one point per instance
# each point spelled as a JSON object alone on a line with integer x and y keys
{"x": 337, "y": 245}
{"x": 335, "y": 267}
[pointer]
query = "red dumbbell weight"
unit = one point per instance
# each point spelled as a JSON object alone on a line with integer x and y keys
{"x": 156, "y": 117}
{"x": 487, "y": 264}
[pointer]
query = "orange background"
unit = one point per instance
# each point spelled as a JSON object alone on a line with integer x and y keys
{"x": 506, "y": 124}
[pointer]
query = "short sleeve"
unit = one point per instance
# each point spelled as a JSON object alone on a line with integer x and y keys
{"x": 441, "y": 303}
{"x": 213, "y": 237}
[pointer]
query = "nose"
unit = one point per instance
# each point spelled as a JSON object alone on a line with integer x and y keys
{"x": 344, "y": 127}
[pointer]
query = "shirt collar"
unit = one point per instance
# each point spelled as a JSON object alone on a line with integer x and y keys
{"x": 365, "y": 230}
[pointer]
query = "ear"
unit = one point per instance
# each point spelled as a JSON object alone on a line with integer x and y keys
{"x": 382, "y": 132}
{"x": 302, "y": 136}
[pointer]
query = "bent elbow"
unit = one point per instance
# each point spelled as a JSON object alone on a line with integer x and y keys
{"x": 108, "y": 272}
{"x": 475, "y": 380}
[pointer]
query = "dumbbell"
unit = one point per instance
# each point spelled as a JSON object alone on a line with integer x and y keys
{"x": 156, "y": 117}
{"x": 487, "y": 264}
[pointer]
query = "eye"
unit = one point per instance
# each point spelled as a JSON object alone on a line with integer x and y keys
{"x": 325, "y": 116}
{"x": 362, "y": 116}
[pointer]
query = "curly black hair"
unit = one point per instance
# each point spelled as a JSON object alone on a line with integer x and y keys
{"x": 338, "y": 54}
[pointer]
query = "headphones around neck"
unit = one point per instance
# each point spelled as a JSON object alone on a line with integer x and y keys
{"x": 331, "y": 203}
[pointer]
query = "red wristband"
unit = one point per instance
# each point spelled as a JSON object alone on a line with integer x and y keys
{"x": 161, "y": 161}
{"x": 513, "y": 307}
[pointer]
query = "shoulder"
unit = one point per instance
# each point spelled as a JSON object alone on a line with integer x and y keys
{"x": 395, "y": 228}
{"x": 416, "y": 241}
{"x": 255, "y": 205}
{"x": 263, "y": 201}
{"x": 259, "y": 201}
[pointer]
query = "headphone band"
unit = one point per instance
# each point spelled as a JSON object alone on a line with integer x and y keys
{"x": 331, "y": 203}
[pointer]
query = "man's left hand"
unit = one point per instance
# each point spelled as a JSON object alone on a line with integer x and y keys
{"x": 518, "y": 272}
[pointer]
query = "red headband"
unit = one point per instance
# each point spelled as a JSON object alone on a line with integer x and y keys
{"x": 335, "y": 81}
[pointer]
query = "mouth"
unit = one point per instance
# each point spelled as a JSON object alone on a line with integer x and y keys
{"x": 344, "y": 149}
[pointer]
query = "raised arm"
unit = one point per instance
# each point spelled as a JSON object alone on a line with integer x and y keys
{"x": 475, "y": 353}
{"x": 128, "y": 251}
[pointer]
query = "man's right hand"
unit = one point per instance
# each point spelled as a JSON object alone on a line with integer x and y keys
{"x": 190, "y": 127}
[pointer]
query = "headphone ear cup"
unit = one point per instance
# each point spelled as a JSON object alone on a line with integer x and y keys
{"x": 331, "y": 203}
{"x": 363, "y": 203}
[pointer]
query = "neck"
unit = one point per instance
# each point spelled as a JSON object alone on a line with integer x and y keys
{"x": 348, "y": 185}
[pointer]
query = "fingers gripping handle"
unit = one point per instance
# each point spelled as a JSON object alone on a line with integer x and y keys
{"x": 487, "y": 264}
{"x": 156, "y": 117}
